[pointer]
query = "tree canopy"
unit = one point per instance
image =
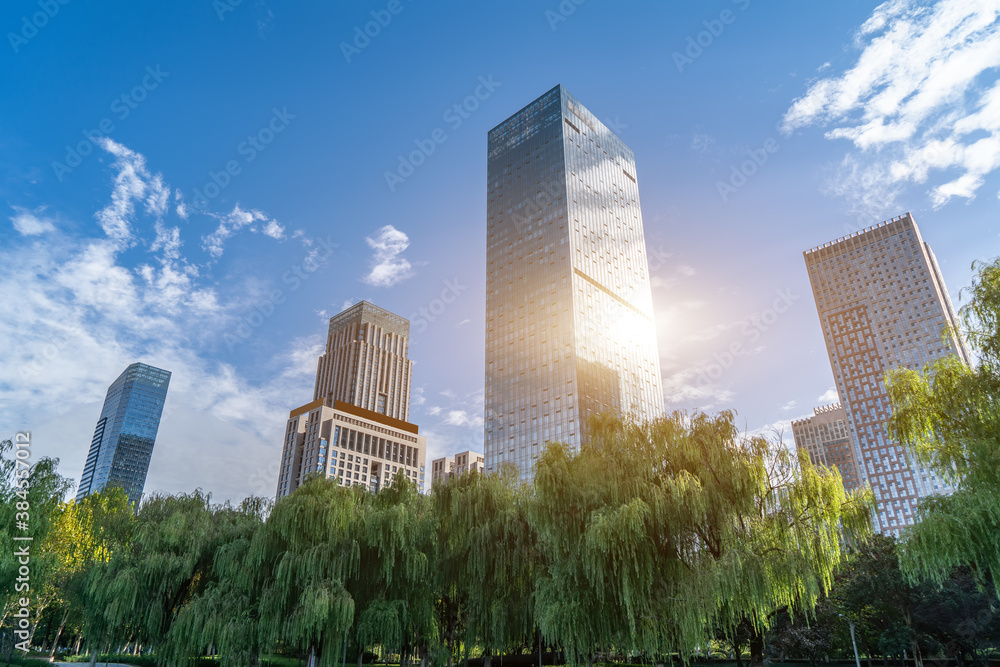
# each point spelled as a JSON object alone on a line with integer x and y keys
{"x": 949, "y": 416}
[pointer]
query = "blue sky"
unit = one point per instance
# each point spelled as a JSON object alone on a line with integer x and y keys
{"x": 233, "y": 192}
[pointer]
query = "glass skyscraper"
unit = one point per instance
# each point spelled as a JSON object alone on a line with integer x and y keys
{"x": 569, "y": 311}
{"x": 883, "y": 304}
{"x": 126, "y": 431}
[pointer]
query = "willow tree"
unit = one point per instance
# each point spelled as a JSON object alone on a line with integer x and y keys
{"x": 98, "y": 526}
{"x": 303, "y": 556}
{"x": 486, "y": 563}
{"x": 30, "y": 504}
{"x": 224, "y": 618}
{"x": 138, "y": 593}
{"x": 393, "y": 588}
{"x": 949, "y": 415}
{"x": 655, "y": 533}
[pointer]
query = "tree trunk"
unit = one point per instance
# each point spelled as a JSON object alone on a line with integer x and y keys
{"x": 757, "y": 649}
{"x": 34, "y": 626}
{"x": 76, "y": 646}
{"x": 97, "y": 650}
{"x": 487, "y": 660}
{"x": 55, "y": 642}
{"x": 361, "y": 653}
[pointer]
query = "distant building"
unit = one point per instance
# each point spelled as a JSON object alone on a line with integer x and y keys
{"x": 126, "y": 432}
{"x": 570, "y": 330}
{"x": 882, "y": 305}
{"x": 449, "y": 466}
{"x": 355, "y": 429}
{"x": 826, "y": 439}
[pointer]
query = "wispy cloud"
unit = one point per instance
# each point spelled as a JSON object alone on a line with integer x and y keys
{"x": 922, "y": 99}
{"x": 231, "y": 223}
{"x": 31, "y": 223}
{"x": 388, "y": 268}
{"x": 133, "y": 184}
{"x": 96, "y": 306}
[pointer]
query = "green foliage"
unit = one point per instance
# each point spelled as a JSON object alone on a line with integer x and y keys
{"x": 654, "y": 533}
{"x": 394, "y": 587}
{"x": 301, "y": 559}
{"x": 32, "y": 493}
{"x": 486, "y": 562}
{"x": 949, "y": 415}
{"x": 645, "y": 542}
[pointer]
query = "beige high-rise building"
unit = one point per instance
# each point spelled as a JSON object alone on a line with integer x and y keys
{"x": 825, "y": 437}
{"x": 355, "y": 429}
{"x": 882, "y": 304}
{"x": 461, "y": 463}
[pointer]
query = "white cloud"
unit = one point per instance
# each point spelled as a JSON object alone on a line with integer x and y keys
{"x": 790, "y": 405}
{"x": 462, "y": 418}
{"x": 133, "y": 183}
{"x": 168, "y": 239}
{"x": 388, "y": 268}
{"x": 923, "y": 97}
{"x": 31, "y": 223}
{"x": 829, "y": 396}
{"x": 693, "y": 387}
{"x": 237, "y": 219}
{"x": 94, "y": 310}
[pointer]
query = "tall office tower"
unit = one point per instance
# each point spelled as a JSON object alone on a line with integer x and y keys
{"x": 825, "y": 437}
{"x": 459, "y": 464}
{"x": 569, "y": 311}
{"x": 126, "y": 431}
{"x": 355, "y": 429}
{"x": 882, "y": 304}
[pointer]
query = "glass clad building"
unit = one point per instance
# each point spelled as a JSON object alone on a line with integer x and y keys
{"x": 126, "y": 431}
{"x": 569, "y": 313}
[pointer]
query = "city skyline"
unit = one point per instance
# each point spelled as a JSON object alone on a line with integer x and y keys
{"x": 206, "y": 207}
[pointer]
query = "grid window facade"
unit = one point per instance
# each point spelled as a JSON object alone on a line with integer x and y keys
{"x": 883, "y": 305}
{"x": 569, "y": 316}
{"x": 123, "y": 440}
{"x": 826, "y": 439}
{"x": 355, "y": 429}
